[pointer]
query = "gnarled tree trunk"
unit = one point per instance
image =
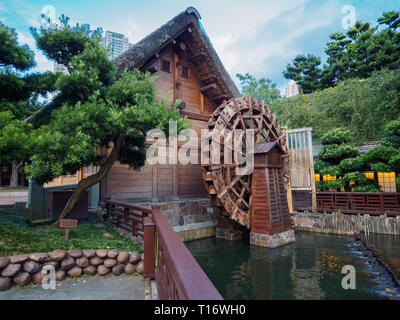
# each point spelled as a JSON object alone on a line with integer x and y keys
{"x": 86, "y": 183}
{"x": 14, "y": 173}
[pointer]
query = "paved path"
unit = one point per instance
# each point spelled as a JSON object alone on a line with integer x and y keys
{"x": 86, "y": 288}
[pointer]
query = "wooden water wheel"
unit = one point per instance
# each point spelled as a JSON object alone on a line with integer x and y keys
{"x": 231, "y": 192}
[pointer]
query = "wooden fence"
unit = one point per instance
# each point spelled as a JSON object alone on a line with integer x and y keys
{"x": 374, "y": 203}
{"x": 128, "y": 217}
{"x": 178, "y": 275}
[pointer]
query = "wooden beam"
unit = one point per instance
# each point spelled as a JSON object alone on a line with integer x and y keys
{"x": 222, "y": 96}
{"x": 208, "y": 78}
{"x": 208, "y": 87}
{"x": 199, "y": 55}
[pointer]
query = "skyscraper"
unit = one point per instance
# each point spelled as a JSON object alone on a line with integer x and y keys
{"x": 292, "y": 89}
{"x": 117, "y": 42}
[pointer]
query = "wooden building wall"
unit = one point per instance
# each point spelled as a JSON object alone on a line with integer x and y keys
{"x": 166, "y": 181}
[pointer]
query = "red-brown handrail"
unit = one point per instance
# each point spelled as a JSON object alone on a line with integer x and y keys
{"x": 375, "y": 203}
{"x": 178, "y": 275}
{"x": 128, "y": 217}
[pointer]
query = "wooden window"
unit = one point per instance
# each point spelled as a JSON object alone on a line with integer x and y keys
{"x": 165, "y": 65}
{"x": 387, "y": 181}
{"x": 185, "y": 72}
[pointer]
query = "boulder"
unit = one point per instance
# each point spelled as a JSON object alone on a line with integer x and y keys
{"x": 5, "y": 284}
{"x": 118, "y": 269}
{"x": 130, "y": 268}
{"x": 82, "y": 262}
{"x": 113, "y": 253}
{"x": 11, "y": 270}
{"x": 95, "y": 261}
{"x": 101, "y": 253}
{"x": 38, "y": 277}
{"x": 90, "y": 270}
{"x": 4, "y": 261}
{"x": 134, "y": 257}
{"x": 75, "y": 253}
{"x": 88, "y": 253}
{"x": 102, "y": 270}
{"x": 75, "y": 272}
{"x": 140, "y": 267}
{"x": 32, "y": 266}
{"x": 58, "y": 255}
{"x": 123, "y": 257}
{"x": 22, "y": 278}
{"x": 19, "y": 258}
{"x": 40, "y": 257}
{"x": 67, "y": 263}
{"x": 109, "y": 263}
{"x": 60, "y": 275}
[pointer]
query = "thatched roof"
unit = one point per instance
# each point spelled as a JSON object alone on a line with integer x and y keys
{"x": 185, "y": 27}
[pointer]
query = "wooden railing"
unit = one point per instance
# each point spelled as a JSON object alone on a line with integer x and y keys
{"x": 166, "y": 258}
{"x": 128, "y": 217}
{"x": 178, "y": 275}
{"x": 374, "y": 203}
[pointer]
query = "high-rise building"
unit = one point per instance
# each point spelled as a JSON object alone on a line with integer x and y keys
{"x": 117, "y": 42}
{"x": 292, "y": 89}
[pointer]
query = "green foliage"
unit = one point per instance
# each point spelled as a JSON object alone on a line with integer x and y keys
{"x": 336, "y": 136}
{"x": 64, "y": 42}
{"x": 331, "y": 170}
{"x": 334, "y": 153}
{"x": 356, "y": 54}
{"x": 15, "y": 139}
{"x": 262, "y": 89}
{"x": 392, "y": 134}
{"x": 351, "y": 164}
{"x": 357, "y": 177}
{"x": 319, "y": 165}
{"x": 362, "y": 106}
{"x": 305, "y": 71}
{"x": 17, "y": 235}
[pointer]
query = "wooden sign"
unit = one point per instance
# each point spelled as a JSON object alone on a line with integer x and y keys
{"x": 68, "y": 223}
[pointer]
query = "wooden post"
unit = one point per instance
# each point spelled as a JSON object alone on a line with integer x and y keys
{"x": 149, "y": 246}
{"x": 312, "y": 177}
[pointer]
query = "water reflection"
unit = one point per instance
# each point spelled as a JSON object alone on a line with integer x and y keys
{"x": 310, "y": 268}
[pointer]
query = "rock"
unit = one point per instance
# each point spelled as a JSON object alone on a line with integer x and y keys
{"x": 57, "y": 255}
{"x": 118, "y": 269}
{"x": 4, "y": 261}
{"x": 32, "y": 266}
{"x": 22, "y": 278}
{"x": 123, "y": 257}
{"x": 101, "y": 253}
{"x": 11, "y": 270}
{"x": 38, "y": 277}
{"x": 82, "y": 262}
{"x": 113, "y": 253}
{"x": 90, "y": 270}
{"x": 40, "y": 257}
{"x": 140, "y": 267}
{"x": 95, "y": 261}
{"x": 109, "y": 263}
{"x": 75, "y": 272}
{"x": 19, "y": 258}
{"x": 67, "y": 263}
{"x": 134, "y": 257}
{"x": 102, "y": 270}
{"x": 5, "y": 284}
{"x": 130, "y": 268}
{"x": 88, "y": 253}
{"x": 75, "y": 253}
{"x": 60, "y": 275}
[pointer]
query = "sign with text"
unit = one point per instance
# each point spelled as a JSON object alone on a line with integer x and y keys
{"x": 68, "y": 223}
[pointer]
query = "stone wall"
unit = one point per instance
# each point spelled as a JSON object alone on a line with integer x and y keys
{"x": 191, "y": 218}
{"x": 23, "y": 269}
{"x": 339, "y": 223}
{"x": 10, "y": 196}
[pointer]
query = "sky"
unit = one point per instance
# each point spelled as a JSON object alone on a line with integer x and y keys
{"x": 255, "y": 36}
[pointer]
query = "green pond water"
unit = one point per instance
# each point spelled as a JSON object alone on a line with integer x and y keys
{"x": 310, "y": 268}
